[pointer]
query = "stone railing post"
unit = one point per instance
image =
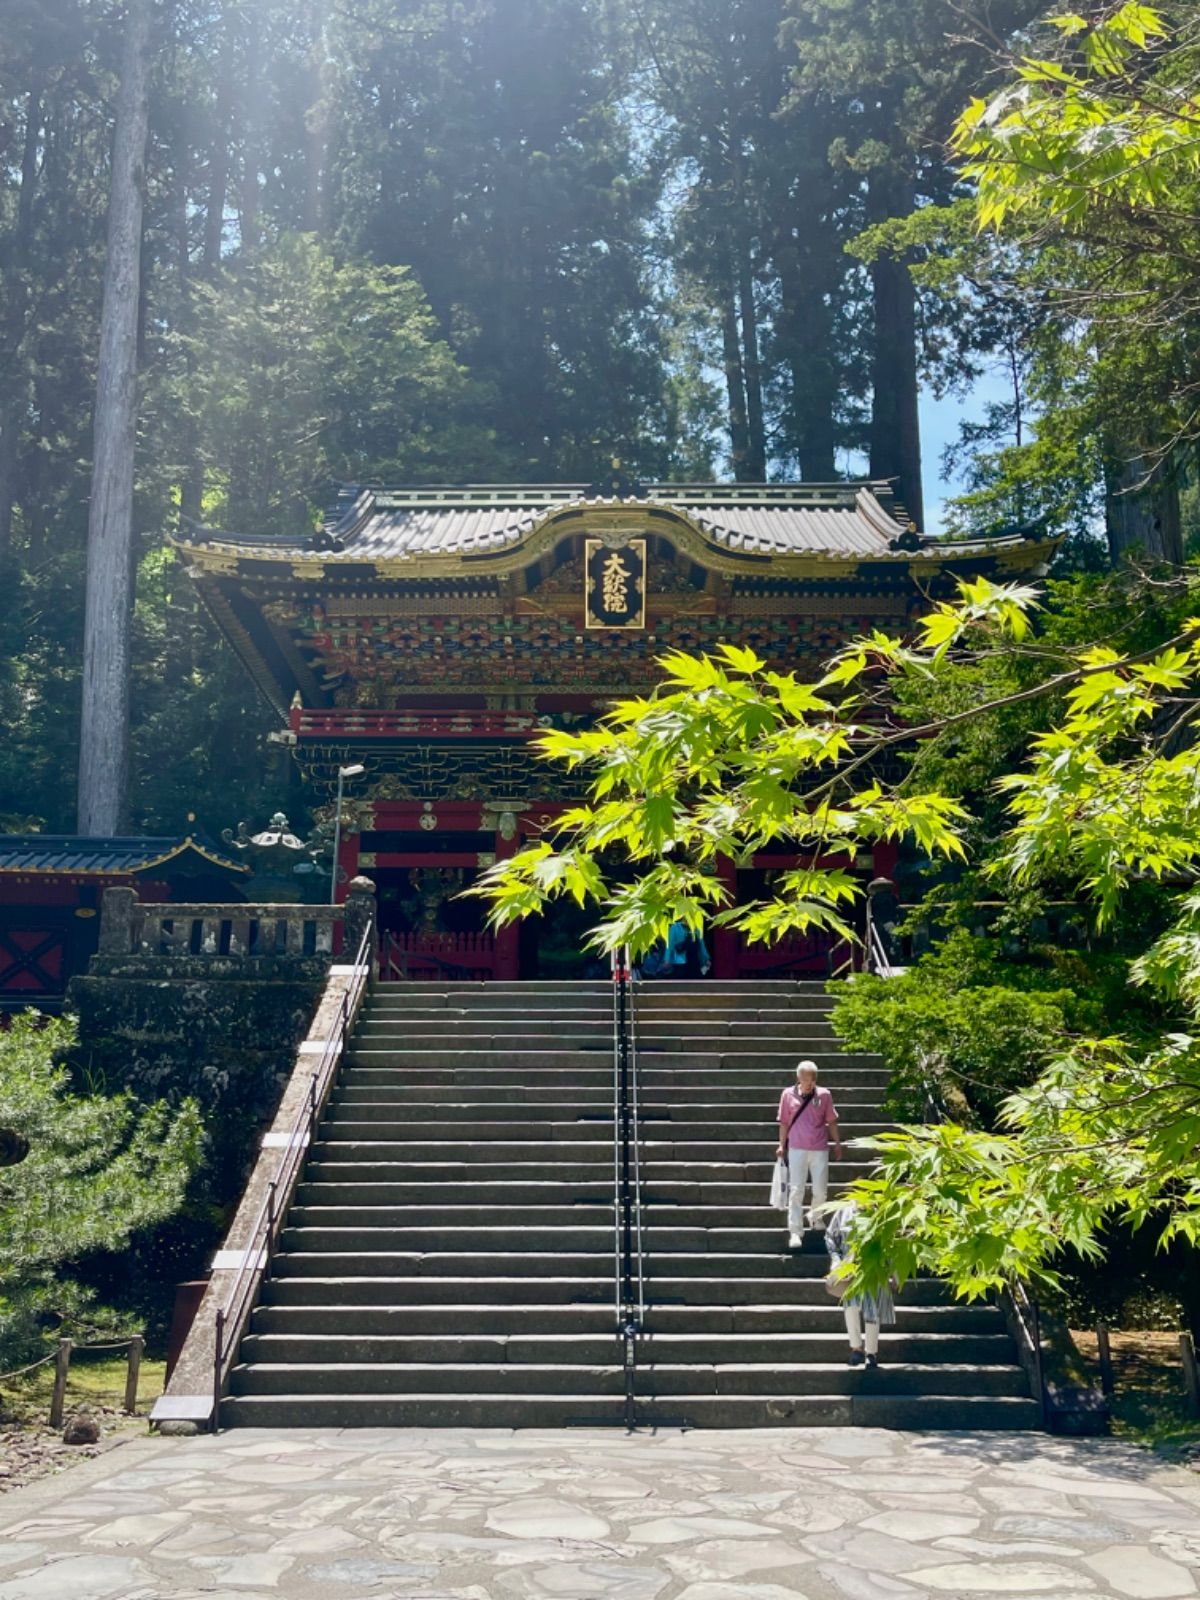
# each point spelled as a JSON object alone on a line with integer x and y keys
{"x": 116, "y": 922}
{"x": 360, "y": 919}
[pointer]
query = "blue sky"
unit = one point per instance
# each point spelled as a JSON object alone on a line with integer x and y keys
{"x": 939, "y": 427}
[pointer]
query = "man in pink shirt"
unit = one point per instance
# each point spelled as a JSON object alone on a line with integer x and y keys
{"x": 807, "y": 1126}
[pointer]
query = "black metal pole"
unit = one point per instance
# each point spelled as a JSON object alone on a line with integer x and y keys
{"x": 625, "y": 1131}
{"x": 626, "y": 1141}
{"x": 218, "y": 1362}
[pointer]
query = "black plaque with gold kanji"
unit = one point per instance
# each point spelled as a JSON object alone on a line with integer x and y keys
{"x": 615, "y": 584}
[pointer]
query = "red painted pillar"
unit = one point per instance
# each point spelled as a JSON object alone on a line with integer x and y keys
{"x": 725, "y": 940}
{"x": 885, "y": 856}
{"x": 508, "y": 940}
{"x": 347, "y": 864}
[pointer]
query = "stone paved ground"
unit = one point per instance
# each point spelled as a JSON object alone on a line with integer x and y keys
{"x": 773, "y": 1515}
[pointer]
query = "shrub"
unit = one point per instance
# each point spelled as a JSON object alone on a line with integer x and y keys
{"x": 99, "y": 1168}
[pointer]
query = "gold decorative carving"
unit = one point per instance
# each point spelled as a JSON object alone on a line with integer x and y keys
{"x": 614, "y": 583}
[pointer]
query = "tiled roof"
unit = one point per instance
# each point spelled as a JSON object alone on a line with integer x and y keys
{"x": 83, "y": 857}
{"x": 835, "y": 519}
{"x": 840, "y": 521}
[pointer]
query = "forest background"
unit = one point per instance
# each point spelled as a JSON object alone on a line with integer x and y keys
{"x": 481, "y": 240}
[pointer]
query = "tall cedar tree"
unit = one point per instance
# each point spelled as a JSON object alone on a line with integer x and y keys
{"x": 104, "y": 730}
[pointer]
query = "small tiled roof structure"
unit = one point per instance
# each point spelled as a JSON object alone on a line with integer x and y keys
{"x": 69, "y": 855}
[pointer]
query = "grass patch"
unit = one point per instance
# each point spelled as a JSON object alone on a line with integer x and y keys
{"x": 1149, "y": 1404}
{"x": 95, "y": 1380}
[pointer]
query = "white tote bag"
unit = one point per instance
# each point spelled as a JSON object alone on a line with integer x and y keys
{"x": 779, "y": 1186}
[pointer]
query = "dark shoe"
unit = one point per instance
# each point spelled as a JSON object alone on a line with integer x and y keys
{"x": 872, "y": 1361}
{"x": 856, "y": 1359}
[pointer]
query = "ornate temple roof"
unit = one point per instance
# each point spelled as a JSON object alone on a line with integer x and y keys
{"x": 69, "y": 855}
{"x": 486, "y": 590}
{"x": 391, "y": 528}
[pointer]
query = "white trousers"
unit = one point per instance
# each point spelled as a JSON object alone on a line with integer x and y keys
{"x": 804, "y": 1167}
{"x": 858, "y": 1332}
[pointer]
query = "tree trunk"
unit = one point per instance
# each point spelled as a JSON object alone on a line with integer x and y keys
{"x": 756, "y": 453}
{"x": 218, "y": 158}
{"x": 895, "y": 438}
{"x": 104, "y": 732}
{"x": 249, "y": 232}
{"x": 316, "y": 141}
{"x": 805, "y": 333}
{"x": 755, "y": 467}
{"x": 1141, "y": 510}
{"x": 735, "y": 383}
{"x": 191, "y": 482}
{"x": 16, "y": 385}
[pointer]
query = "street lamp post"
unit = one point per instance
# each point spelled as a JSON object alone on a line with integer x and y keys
{"x": 343, "y": 774}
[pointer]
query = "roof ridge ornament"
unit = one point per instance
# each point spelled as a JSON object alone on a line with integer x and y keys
{"x": 616, "y": 484}
{"x": 909, "y": 540}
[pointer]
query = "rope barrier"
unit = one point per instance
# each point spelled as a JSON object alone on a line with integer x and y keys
{"x": 21, "y": 1371}
{"x": 122, "y": 1344}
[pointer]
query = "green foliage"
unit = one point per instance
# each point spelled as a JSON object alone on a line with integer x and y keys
{"x": 726, "y": 759}
{"x": 99, "y": 1169}
{"x": 304, "y": 369}
{"x": 953, "y": 1030}
{"x": 1061, "y": 142}
{"x": 1105, "y": 794}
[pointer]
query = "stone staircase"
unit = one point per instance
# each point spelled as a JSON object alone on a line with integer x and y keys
{"x": 448, "y": 1259}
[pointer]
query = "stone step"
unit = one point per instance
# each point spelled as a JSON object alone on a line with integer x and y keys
{"x": 397, "y": 1183}
{"x": 644, "y": 1000}
{"x": 563, "y": 1036}
{"x": 647, "y": 1005}
{"x": 281, "y": 1339}
{"x": 767, "y": 1084}
{"x": 375, "y": 1124}
{"x": 733, "y": 1054}
{"x": 556, "y": 986}
{"x": 352, "y": 1316}
{"x": 352, "y": 1091}
{"x": 562, "y": 1255}
{"x": 669, "y": 1222}
{"x": 594, "y": 1107}
{"x": 581, "y": 1178}
{"x": 327, "y": 1186}
{"x": 299, "y": 1280}
{"x": 265, "y": 1377}
{"x": 749, "y": 1162}
{"x": 373, "y": 1014}
{"x": 552, "y": 1411}
{"x": 588, "y": 1031}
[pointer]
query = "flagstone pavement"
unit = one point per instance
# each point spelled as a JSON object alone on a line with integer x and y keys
{"x": 782, "y": 1514}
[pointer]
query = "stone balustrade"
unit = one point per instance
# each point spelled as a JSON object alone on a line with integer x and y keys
{"x": 138, "y": 936}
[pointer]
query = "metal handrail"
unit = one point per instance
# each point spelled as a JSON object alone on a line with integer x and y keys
{"x": 255, "y": 1265}
{"x": 845, "y": 965}
{"x": 618, "y": 1306}
{"x": 629, "y": 1285}
{"x": 876, "y": 956}
{"x": 636, "y": 1112}
{"x": 1027, "y": 1319}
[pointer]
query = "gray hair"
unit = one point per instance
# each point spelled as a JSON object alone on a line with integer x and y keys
{"x": 807, "y": 1066}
